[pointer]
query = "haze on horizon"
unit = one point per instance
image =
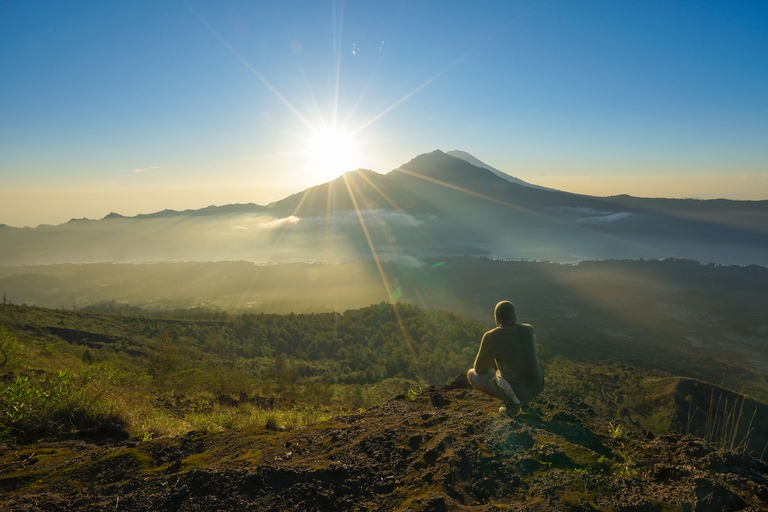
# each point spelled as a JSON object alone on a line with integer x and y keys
{"x": 139, "y": 107}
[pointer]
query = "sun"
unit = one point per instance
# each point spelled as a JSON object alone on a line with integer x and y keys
{"x": 331, "y": 153}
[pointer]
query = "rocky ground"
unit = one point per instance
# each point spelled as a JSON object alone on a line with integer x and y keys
{"x": 446, "y": 449}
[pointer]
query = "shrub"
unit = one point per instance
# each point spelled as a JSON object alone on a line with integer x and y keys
{"x": 46, "y": 405}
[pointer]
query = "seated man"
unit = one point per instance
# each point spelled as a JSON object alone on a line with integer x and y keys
{"x": 506, "y": 365}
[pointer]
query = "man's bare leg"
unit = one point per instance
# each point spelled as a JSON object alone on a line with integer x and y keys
{"x": 470, "y": 377}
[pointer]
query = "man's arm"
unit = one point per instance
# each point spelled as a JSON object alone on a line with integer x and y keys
{"x": 484, "y": 362}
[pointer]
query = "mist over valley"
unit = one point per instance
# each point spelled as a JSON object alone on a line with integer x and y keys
{"x": 434, "y": 205}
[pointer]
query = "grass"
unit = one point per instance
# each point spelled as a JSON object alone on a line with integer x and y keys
{"x": 723, "y": 422}
{"x": 118, "y": 397}
{"x": 51, "y": 406}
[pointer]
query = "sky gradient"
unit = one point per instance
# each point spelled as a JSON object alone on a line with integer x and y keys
{"x": 135, "y": 107}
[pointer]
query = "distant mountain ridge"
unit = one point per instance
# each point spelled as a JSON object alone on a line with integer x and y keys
{"x": 435, "y": 204}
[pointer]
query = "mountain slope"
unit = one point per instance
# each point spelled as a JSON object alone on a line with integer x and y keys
{"x": 474, "y": 161}
{"x": 447, "y": 449}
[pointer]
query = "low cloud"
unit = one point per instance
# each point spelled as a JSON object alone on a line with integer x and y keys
{"x": 605, "y": 218}
{"x": 370, "y": 217}
{"x": 592, "y": 216}
{"x": 277, "y": 223}
{"x": 583, "y": 210}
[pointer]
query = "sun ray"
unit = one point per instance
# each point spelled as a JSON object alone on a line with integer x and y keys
{"x": 338, "y": 47}
{"x": 469, "y": 192}
{"x": 385, "y": 282}
{"x": 283, "y": 230}
{"x": 441, "y": 72}
{"x": 329, "y": 205}
{"x": 430, "y": 80}
{"x": 363, "y": 92}
{"x": 311, "y": 93}
{"x": 248, "y": 66}
{"x": 394, "y": 205}
{"x": 408, "y": 96}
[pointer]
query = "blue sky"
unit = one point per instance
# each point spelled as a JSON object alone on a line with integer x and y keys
{"x": 139, "y": 106}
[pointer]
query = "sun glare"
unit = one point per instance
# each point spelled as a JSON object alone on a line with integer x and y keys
{"x": 331, "y": 153}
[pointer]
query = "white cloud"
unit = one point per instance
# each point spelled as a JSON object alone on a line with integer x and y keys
{"x": 593, "y": 216}
{"x": 276, "y": 223}
{"x": 148, "y": 169}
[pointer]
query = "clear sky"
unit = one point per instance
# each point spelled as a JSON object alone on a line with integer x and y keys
{"x": 138, "y": 106}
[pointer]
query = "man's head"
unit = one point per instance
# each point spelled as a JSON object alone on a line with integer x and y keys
{"x": 505, "y": 313}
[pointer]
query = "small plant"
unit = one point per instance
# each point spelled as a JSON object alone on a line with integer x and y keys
{"x": 412, "y": 394}
{"x": 616, "y": 431}
{"x": 627, "y": 467}
{"x": 584, "y": 475}
{"x": 628, "y": 471}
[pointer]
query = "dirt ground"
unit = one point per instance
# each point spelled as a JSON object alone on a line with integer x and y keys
{"x": 447, "y": 449}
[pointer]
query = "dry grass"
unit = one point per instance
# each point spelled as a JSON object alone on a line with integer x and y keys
{"x": 723, "y": 422}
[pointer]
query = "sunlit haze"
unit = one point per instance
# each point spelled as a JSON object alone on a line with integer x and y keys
{"x": 135, "y": 107}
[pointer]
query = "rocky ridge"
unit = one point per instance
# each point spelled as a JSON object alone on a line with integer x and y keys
{"x": 443, "y": 449}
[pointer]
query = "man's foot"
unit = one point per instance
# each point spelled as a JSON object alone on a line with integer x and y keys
{"x": 512, "y": 410}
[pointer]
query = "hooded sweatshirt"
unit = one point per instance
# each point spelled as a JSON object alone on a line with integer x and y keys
{"x": 511, "y": 348}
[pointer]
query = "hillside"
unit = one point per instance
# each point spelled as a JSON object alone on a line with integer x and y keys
{"x": 443, "y": 449}
{"x": 699, "y": 321}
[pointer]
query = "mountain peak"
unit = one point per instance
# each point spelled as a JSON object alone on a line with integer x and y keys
{"x": 438, "y": 164}
{"x": 457, "y": 153}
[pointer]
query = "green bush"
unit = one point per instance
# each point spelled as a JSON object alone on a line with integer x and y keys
{"x": 49, "y": 405}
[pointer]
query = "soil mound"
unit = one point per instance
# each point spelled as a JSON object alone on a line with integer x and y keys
{"x": 444, "y": 449}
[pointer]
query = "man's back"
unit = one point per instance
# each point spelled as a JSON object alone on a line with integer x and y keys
{"x": 512, "y": 348}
